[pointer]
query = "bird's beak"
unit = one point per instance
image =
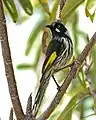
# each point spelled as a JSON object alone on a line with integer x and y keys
{"x": 49, "y": 26}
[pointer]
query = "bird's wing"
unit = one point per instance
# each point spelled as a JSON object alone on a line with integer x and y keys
{"x": 52, "y": 53}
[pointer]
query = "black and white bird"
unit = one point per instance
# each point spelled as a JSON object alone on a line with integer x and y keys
{"x": 58, "y": 54}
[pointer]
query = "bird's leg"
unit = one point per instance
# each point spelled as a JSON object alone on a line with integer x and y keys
{"x": 69, "y": 65}
{"x": 58, "y": 87}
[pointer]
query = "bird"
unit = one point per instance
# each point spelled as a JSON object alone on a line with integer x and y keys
{"x": 58, "y": 54}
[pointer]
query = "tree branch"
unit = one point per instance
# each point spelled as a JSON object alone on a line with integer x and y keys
{"x": 8, "y": 66}
{"x": 76, "y": 65}
{"x": 60, "y": 7}
{"x": 29, "y": 115}
{"x": 62, "y": 4}
{"x": 90, "y": 82}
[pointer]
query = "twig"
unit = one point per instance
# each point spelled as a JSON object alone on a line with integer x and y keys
{"x": 60, "y": 7}
{"x": 11, "y": 114}
{"x": 62, "y": 4}
{"x": 9, "y": 67}
{"x": 77, "y": 64}
{"x": 29, "y": 105}
{"x": 87, "y": 66}
{"x": 87, "y": 116}
{"x": 89, "y": 80}
{"x": 29, "y": 115}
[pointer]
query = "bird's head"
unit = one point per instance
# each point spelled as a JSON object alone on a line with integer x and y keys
{"x": 57, "y": 28}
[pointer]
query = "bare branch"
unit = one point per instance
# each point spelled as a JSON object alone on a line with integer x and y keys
{"x": 29, "y": 105}
{"x": 62, "y": 4}
{"x": 11, "y": 114}
{"x": 77, "y": 63}
{"x": 9, "y": 67}
{"x": 29, "y": 115}
{"x": 60, "y": 7}
{"x": 89, "y": 80}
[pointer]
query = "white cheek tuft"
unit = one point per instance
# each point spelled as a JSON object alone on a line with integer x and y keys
{"x": 64, "y": 41}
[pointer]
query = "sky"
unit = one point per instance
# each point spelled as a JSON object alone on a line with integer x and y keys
{"x": 27, "y": 79}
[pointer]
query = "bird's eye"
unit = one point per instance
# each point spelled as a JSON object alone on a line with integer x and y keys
{"x": 57, "y": 29}
{"x": 58, "y": 26}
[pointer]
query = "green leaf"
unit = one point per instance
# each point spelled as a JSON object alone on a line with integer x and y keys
{"x": 88, "y": 116}
{"x": 93, "y": 70}
{"x": 67, "y": 117}
{"x": 24, "y": 66}
{"x": 22, "y": 19}
{"x": 82, "y": 78}
{"x": 45, "y": 6}
{"x": 9, "y": 4}
{"x": 29, "y": 66}
{"x": 67, "y": 112}
{"x": 37, "y": 56}
{"x": 54, "y": 10}
{"x": 69, "y": 8}
{"x": 38, "y": 27}
{"x": 27, "y": 6}
{"x": 90, "y": 4}
{"x": 74, "y": 30}
{"x": 11, "y": 114}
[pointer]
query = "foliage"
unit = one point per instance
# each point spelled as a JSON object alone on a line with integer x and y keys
{"x": 70, "y": 16}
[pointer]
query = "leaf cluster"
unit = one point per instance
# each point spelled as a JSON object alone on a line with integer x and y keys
{"x": 79, "y": 91}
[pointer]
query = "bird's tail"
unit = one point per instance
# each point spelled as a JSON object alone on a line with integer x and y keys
{"x": 41, "y": 91}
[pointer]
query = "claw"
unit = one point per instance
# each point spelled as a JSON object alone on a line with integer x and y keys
{"x": 58, "y": 88}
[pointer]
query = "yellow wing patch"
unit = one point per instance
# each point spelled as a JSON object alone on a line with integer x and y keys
{"x": 51, "y": 59}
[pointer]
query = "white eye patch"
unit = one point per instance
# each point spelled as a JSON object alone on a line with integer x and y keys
{"x": 57, "y": 30}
